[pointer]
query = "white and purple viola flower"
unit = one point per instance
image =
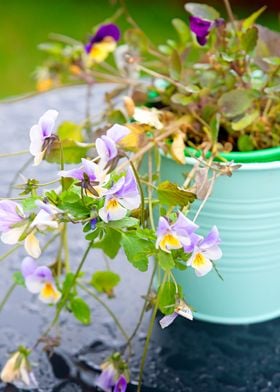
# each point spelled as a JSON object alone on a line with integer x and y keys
{"x": 39, "y": 280}
{"x": 106, "y": 145}
{"x": 108, "y": 380}
{"x": 122, "y": 197}
{"x": 182, "y": 309}
{"x": 46, "y": 217}
{"x": 41, "y": 135}
{"x": 202, "y": 27}
{"x": 103, "y": 42}
{"x": 205, "y": 251}
{"x": 91, "y": 176}
{"x": 180, "y": 234}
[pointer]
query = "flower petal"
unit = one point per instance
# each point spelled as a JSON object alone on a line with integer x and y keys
{"x": 49, "y": 293}
{"x": 13, "y": 235}
{"x": 32, "y": 246}
{"x": 121, "y": 384}
{"x": 167, "y": 320}
{"x": 28, "y": 266}
{"x": 117, "y": 132}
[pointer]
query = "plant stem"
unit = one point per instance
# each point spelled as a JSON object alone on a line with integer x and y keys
{"x": 18, "y": 173}
{"x": 7, "y": 296}
{"x": 62, "y": 165}
{"x": 138, "y": 325}
{"x": 14, "y": 154}
{"x": 66, "y": 248}
{"x": 149, "y": 335}
{"x": 111, "y": 313}
{"x": 150, "y": 190}
{"x": 64, "y": 298}
{"x": 230, "y": 14}
{"x": 12, "y": 250}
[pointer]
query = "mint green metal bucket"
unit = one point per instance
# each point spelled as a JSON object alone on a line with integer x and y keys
{"x": 246, "y": 209}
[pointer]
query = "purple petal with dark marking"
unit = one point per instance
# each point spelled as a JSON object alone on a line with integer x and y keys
{"x": 201, "y": 28}
{"x": 107, "y": 30}
{"x": 121, "y": 384}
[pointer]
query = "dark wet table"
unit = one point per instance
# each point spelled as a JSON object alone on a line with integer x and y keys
{"x": 186, "y": 357}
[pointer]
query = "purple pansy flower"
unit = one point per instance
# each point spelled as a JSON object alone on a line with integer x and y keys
{"x": 201, "y": 28}
{"x": 41, "y": 135}
{"x": 122, "y": 197}
{"x": 106, "y": 380}
{"x": 103, "y": 42}
{"x": 92, "y": 177}
{"x": 121, "y": 384}
{"x": 106, "y": 145}
{"x": 39, "y": 280}
{"x": 178, "y": 235}
{"x": 205, "y": 250}
{"x": 182, "y": 309}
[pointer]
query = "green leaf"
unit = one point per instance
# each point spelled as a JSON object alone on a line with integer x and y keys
{"x": 181, "y": 99}
{"x": 105, "y": 281}
{"x": 136, "y": 38}
{"x": 182, "y": 29}
{"x": 235, "y": 102}
{"x": 245, "y": 121}
{"x": 110, "y": 244}
{"x": 70, "y": 197}
{"x": 54, "y": 49}
{"x": 69, "y": 278}
{"x": 215, "y": 127}
{"x": 18, "y": 278}
{"x": 245, "y": 143}
{"x": 116, "y": 116}
{"x": 273, "y": 60}
{"x": 175, "y": 67}
{"x": 248, "y": 22}
{"x": 70, "y": 130}
{"x": 73, "y": 151}
{"x": 124, "y": 223}
{"x": 137, "y": 250}
{"x": 202, "y": 11}
{"x": 146, "y": 234}
{"x": 165, "y": 260}
{"x": 80, "y": 310}
{"x": 92, "y": 235}
{"x": 29, "y": 203}
{"x": 170, "y": 195}
{"x": 249, "y": 39}
{"x": 167, "y": 300}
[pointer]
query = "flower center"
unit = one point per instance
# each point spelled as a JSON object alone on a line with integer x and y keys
{"x": 199, "y": 260}
{"x": 112, "y": 203}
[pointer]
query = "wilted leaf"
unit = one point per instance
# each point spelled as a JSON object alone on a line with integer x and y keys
{"x": 249, "y": 39}
{"x": 175, "y": 67}
{"x": 245, "y": 121}
{"x": 248, "y": 22}
{"x": 178, "y": 147}
{"x": 235, "y": 102}
{"x": 182, "y": 29}
{"x": 73, "y": 151}
{"x": 70, "y": 130}
{"x": 135, "y": 139}
{"x": 105, "y": 281}
{"x": 171, "y": 195}
{"x": 202, "y": 183}
{"x": 202, "y": 11}
{"x": 245, "y": 143}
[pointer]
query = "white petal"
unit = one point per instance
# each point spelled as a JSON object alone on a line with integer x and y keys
{"x": 103, "y": 214}
{"x": 131, "y": 203}
{"x": 12, "y": 236}
{"x": 33, "y": 284}
{"x": 36, "y": 139}
{"x": 32, "y": 246}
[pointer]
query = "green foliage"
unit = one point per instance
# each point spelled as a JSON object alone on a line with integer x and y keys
{"x": 110, "y": 242}
{"x": 168, "y": 297}
{"x": 73, "y": 151}
{"x": 182, "y": 30}
{"x": 71, "y": 131}
{"x": 245, "y": 143}
{"x": 249, "y": 39}
{"x": 175, "y": 68}
{"x": 18, "y": 278}
{"x": 171, "y": 195}
{"x": 137, "y": 250}
{"x": 202, "y": 11}
{"x": 250, "y": 20}
{"x": 80, "y": 310}
{"x": 105, "y": 281}
{"x": 165, "y": 260}
{"x": 236, "y": 102}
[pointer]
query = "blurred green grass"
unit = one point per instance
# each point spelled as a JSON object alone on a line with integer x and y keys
{"x": 26, "y": 23}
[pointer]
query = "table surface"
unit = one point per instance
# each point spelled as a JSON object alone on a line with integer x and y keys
{"x": 186, "y": 357}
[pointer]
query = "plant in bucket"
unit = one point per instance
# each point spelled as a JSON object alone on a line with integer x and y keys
{"x": 180, "y": 173}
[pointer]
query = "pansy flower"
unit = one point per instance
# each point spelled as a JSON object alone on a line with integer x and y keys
{"x": 202, "y": 27}
{"x": 206, "y": 251}
{"x": 103, "y": 42}
{"x": 109, "y": 379}
{"x": 182, "y": 309}
{"x": 122, "y": 197}
{"x": 177, "y": 235}
{"x": 18, "y": 371}
{"x": 39, "y": 280}
{"x": 41, "y": 135}
{"x": 106, "y": 145}
{"x": 91, "y": 176}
